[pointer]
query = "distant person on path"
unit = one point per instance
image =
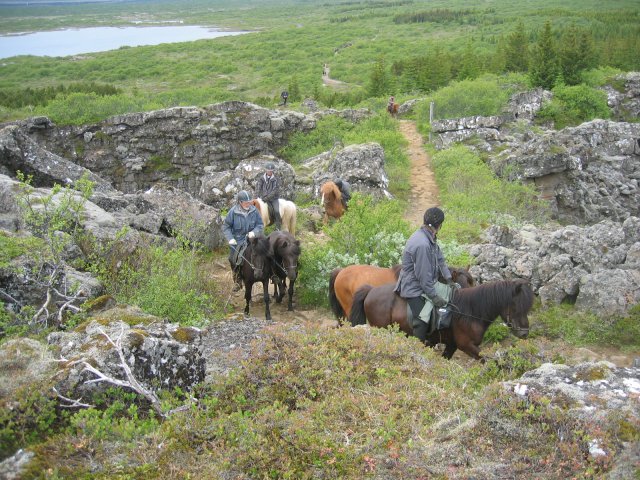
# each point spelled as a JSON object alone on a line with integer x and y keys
{"x": 392, "y": 106}
{"x": 422, "y": 260}
{"x": 325, "y": 70}
{"x": 243, "y": 221}
{"x": 268, "y": 189}
{"x": 284, "y": 96}
{"x": 345, "y": 190}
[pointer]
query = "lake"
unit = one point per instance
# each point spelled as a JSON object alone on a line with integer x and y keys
{"x": 60, "y": 43}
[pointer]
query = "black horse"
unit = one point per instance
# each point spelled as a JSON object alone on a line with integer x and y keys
{"x": 474, "y": 309}
{"x": 286, "y": 251}
{"x": 257, "y": 266}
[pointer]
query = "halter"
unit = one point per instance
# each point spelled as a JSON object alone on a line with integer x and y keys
{"x": 283, "y": 267}
{"x": 255, "y": 270}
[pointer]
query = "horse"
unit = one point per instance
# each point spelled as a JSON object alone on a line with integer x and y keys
{"x": 344, "y": 282}
{"x": 288, "y": 213}
{"x": 392, "y": 108}
{"x": 286, "y": 251}
{"x": 331, "y": 201}
{"x": 473, "y": 310}
{"x": 257, "y": 267}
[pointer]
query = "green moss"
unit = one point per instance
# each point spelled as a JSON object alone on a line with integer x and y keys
{"x": 599, "y": 372}
{"x": 628, "y": 431}
{"x": 103, "y": 302}
{"x": 185, "y": 334}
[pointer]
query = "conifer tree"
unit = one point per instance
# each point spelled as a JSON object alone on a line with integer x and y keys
{"x": 576, "y": 54}
{"x": 517, "y": 50}
{"x": 544, "y": 67}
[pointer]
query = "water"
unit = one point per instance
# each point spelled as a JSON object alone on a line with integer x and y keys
{"x": 61, "y": 43}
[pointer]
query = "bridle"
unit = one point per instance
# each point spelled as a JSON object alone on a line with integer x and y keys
{"x": 506, "y": 322}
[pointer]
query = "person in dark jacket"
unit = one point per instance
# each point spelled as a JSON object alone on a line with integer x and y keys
{"x": 422, "y": 260}
{"x": 243, "y": 221}
{"x": 345, "y": 190}
{"x": 268, "y": 189}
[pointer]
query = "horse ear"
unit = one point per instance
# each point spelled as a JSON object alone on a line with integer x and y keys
{"x": 468, "y": 267}
{"x": 285, "y": 244}
{"x": 518, "y": 289}
{"x": 298, "y": 242}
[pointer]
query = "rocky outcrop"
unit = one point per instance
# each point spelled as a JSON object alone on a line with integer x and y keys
{"x": 587, "y": 173}
{"x": 160, "y": 355}
{"x": 596, "y": 267}
{"x": 175, "y": 146}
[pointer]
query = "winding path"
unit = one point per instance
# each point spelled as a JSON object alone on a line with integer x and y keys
{"x": 424, "y": 190}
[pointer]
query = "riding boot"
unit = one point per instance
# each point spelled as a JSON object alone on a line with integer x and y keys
{"x": 276, "y": 214}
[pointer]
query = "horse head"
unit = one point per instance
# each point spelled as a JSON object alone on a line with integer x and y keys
{"x": 260, "y": 256}
{"x": 331, "y": 200}
{"x": 462, "y": 277}
{"x": 515, "y": 313}
{"x": 286, "y": 251}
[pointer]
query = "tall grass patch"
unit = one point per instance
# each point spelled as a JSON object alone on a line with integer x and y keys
{"x": 474, "y": 197}
{"x": 573, "y": 105}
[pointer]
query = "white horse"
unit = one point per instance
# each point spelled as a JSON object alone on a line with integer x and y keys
{"x": 288, "y": 213}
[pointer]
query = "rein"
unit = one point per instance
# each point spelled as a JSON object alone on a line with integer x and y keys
{"x": 508, "y": 322}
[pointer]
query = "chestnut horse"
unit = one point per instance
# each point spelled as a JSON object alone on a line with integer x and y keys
{"x": 257, "y": 267}
{"x": 288, "y": 213}
{"x": 344, "y": 282}
{"x": 286, "y": 251}
{"x": 331, "y": 201}
{"x": 392, "y": 108}
{"x": 473, "y": 310}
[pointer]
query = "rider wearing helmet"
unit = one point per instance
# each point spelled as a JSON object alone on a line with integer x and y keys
{"x": 243, "y": 221}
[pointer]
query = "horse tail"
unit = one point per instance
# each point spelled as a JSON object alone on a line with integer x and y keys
{"x": 357, "y": 315}
{"x": 336, "y": 308}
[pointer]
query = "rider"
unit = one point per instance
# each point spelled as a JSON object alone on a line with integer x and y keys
{"x": 422, "y": 259}
{"x": 345, "y": 190}
{"x": 243, "y": 221}
{"x": 268, "y": 189}
{"x": 392, "y": 101}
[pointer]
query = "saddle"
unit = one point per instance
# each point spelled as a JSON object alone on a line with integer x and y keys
{"x": 440, "y": 318}
{"x": 238, "y": 257}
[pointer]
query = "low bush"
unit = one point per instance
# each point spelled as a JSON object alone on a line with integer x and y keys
{"x": 573, "y": 105}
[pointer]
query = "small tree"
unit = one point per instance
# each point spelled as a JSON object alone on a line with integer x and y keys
{"x": 517, "y": 50}
{"x": 56, "y": 218}
{"x": 544, "y": 68}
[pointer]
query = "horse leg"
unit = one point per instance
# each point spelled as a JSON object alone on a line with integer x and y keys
{"x": 472, "y": 350}
{"x": 280, "y": 288}
{"x": 247, "y": 296}
{"x": 290, "y": 291}
{"x": 449, "y": 350}
{"x": 267, "y": 312}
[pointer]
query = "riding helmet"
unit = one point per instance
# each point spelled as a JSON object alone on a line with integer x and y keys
{"x": 270, "y": 166}
{"x": 433, "y": 217}
{"x": 243, "y": 196}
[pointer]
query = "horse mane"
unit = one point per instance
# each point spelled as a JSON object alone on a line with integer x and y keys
{"x": 329, "y": 187}
{"x": 261, "y": 246}
{"x": 481, "y": 301}
{"x": 396, "y": 270}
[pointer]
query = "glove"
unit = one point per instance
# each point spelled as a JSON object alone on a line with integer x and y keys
{"x": 251, "y": 235}
{"x": 453, "y": 284}
{"x": 233, "y": 242}
{"x": 438, "y": 301}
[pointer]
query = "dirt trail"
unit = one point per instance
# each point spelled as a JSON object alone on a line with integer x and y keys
{"x": 424, "y": 190}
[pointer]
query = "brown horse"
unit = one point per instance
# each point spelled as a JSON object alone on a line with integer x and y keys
{"x": 392, "y": 108}
{"x": 331, "y": 201}
{"x": 473, "y": 310}
{"x": 257, "y": 267}
{"x": 344, "y": 282}
{"x": 286, "y": 251}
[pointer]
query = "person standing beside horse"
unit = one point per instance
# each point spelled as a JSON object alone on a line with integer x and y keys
{"x": 268, "y": 189}
{"x": 243, "y": 221}
{"x": 422, "y": 261}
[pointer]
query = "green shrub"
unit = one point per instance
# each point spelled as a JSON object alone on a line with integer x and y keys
{"x": 581, "y": 328}
{"x": 29, "y": 418}
{"x": 369, "y": 232}
{"x": 573, "y": 105}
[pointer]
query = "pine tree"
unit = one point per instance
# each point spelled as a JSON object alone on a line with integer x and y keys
{"x": 517, "y": 50}
{"x": 469, "y": 64}
{"x": 544, "y": 68}
{"x": 379, "y": 82}
{"x": 294, "y": 90}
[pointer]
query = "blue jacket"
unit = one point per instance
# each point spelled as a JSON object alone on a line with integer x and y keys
{"x": 422, "y": 259}
{"x": 238, "y": 223}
